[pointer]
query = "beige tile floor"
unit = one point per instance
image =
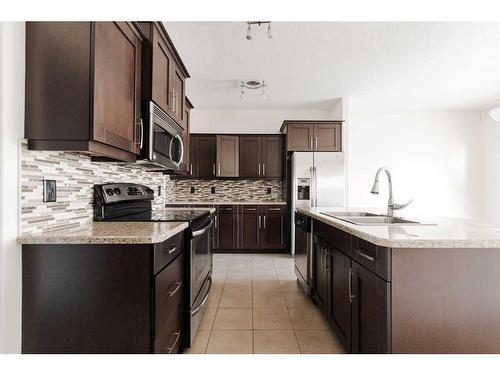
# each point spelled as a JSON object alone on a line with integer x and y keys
{"x": 257, "y": 307}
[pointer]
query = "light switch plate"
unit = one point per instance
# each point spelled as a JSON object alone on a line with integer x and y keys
{"x": 268, "y": 191}
{"x": 192, "y": 190}
{"x": 212, "y": 189}
{"x": 49, "y": 191}
{"x": 159, "y": 190}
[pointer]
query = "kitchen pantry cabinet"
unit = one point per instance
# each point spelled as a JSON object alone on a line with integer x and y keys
{"x": 126, "y": 298}
{"x": 91, "y": 103}
{"x": 354, "y": 297}
{"x": 164, "y": 74}
{"x": 313, "y": 136}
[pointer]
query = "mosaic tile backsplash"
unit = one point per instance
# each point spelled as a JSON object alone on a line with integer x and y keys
{"x": 75, "y": 175}
{"x": 225, "y": 190}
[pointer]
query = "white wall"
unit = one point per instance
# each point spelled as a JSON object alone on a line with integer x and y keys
{"x": 491, "y": 191}
{"x": 435, "y": 158}
{"x": 12, "y": 38}
{"x": 250, "y": 121}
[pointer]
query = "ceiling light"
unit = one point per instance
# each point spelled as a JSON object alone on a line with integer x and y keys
{"x": 495, "y": 114}
{"x": 269, "y": 34}
{"x": 249, "y": 32}
{"x": 253, "y": 84}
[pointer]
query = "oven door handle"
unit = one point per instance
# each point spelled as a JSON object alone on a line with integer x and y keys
{"x": 203, "y": 230}
{"x": 205, "y": 299}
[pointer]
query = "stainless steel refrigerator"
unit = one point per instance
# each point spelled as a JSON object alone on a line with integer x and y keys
{"x": 316, "y": 180}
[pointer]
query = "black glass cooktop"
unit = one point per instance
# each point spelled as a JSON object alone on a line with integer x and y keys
{"x": 191, "y": 216}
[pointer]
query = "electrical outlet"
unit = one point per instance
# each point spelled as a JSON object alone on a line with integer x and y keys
{"x": 212, "y": 189}
{"x": 268, "y": 190}
{"x": 159, "y": 190}
{"x": 49, "y": 191}
{"x": 192, "y": 190}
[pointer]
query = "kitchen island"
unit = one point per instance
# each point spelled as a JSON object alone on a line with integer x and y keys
{"x": 408, "y": 288}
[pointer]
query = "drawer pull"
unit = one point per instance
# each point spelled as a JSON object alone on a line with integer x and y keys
{"x": 274, "y": 209}
{"x": 176, "y": 340}
{"x": 362, "y": 254}
{"x": 226, "y": 208}
{"x": 250, "y": 209}
{"x": 174, "y": 288}
{"x": 172, "y": 250}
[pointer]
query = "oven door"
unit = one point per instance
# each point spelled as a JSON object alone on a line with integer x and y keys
{"x": 201, "y": 261}
{"x": 165, "y": 146}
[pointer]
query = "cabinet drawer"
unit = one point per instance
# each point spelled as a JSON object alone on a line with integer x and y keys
{"x": 168, "y": 291}
{"x": 166, "y": 251}
{"x": 271, "y": 209}
{"x": 249, "y": 208}
{"x": 339, "y": 239}
{"x": 226, "y": 208}
{"x": 376, "y": 258}
{"x": 168, "y": 338}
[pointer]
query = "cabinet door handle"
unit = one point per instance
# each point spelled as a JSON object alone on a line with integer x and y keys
{"x": 351, "y": 296}
{"x": 264, "y": 216}
{"x": 259, "y": 169}
{"x": 315, "y": 143}
{"x": 174, "y": 288}
{"x": 218, "y": 166}
{"x": 177, "y": 336}
{"x": 191, "y": 168}
{"x": 213, "y": 169}
{"x": 259, "y": 222}
{"x": 215, "y": 223}
{"x": 172, "y": 250}
{"x": 263, "y": 169}
{"x": 362, "y": 254}
{"x": 310, "y": 143}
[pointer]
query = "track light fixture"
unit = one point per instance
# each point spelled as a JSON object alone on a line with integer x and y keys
{"x": 269, "y": 34}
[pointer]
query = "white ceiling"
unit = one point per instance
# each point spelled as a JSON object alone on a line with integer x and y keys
{"x": 308, "y": 65}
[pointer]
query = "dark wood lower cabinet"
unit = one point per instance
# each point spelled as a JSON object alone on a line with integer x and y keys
{"x": 226, "y": 231}
{"x": 370, "y": 312}
{"x": 250, "y": 232}
{"x": 273, "y": 233}
{"x": 103, "y": 298}
{"x": 354, "y": 299}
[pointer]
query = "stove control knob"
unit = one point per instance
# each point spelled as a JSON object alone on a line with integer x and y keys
{"x": 150, "y": 191}
{"x": 109, "y": 191}
{"x": 117, "y": 191}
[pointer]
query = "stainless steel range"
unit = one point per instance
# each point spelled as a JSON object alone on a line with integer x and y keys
{"x": 132, "y": 202}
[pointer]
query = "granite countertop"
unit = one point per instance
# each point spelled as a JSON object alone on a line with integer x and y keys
{"x": 219, "y": 202}
{"x": 447, "y": 233}
{"x": 108, "y": 233}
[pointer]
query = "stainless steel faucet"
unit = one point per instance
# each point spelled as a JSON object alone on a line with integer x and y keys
{"x": 391, "y": 205}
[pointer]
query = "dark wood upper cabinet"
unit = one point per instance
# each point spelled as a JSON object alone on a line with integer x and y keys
{"x": 203, "y": 152}
{"x": 227, "y": 156}
{"x": 272, "y": 156}
{"x": 83, "y": 83}
{"x": 250, "y": 156}
{"x": 299, "y": 137}
{"x": 313, "y": 136}
{"x": 370, "y": 312}
{"x": 164, "y": 74}
{"x": 186, "y": 138}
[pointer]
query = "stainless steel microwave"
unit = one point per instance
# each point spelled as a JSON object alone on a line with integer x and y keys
{"x": 161, "y": 141}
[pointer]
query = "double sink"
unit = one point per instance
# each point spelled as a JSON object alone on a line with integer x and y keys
{"x": 367, "y": 218}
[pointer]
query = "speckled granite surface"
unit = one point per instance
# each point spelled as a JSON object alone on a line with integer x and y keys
{"x": 447, "y": 233}
{"x": 108, "y": 233}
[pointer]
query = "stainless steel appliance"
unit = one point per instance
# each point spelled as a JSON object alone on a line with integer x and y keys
{"x": 132, "y": 202}
{"x": 161, "y": 141}
{"x": 303, "y": 251}
{"x": 316, "y": 180}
